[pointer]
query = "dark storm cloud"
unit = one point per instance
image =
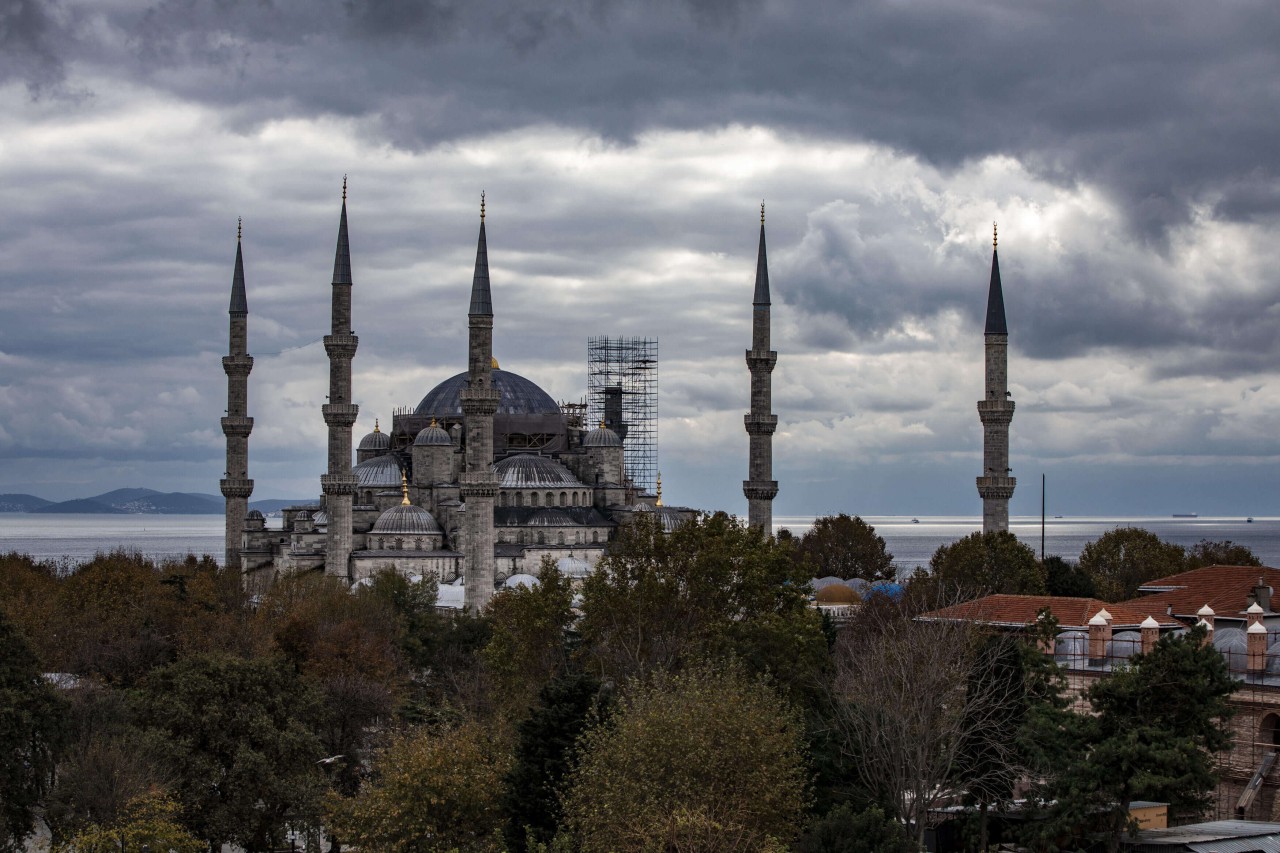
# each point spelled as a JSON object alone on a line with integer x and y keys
{"x": 1166, "y": 105}
{"x": 33, "y": 37}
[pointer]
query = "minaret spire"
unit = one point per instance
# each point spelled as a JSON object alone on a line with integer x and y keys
{"x": 339, "y": 484}
{"x": 479, "y": 404}
{"x": 995, "y": 486}
{"x": 236, "y": 426}
{"x": 761, "y": 423}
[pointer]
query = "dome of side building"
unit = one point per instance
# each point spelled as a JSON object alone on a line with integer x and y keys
{"x": 376, "y": 441}
{"x": 528, "y": 471}
{"x": 406, "y": 520}
{"x": 601, "y": 436}
{"x": 432, "y": 436}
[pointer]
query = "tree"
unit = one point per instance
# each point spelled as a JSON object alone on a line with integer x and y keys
{"x": 707, "y": 759}
{"x": 1224, "y": 553}
{"x": 983, "y": 563}
{"x": 430, "y": 791}
{"x": 544, "y": 752}
{"x": 1142, "y": 742}
{"x": 31, "y": 733}
{"x": 236, "y": 735}
{"x": 149, "y": 822}
{"x": 1121, "y": 560}
{"x": 844, "y": 547}
{"x": 527, "y": 646}
{"x": 914, "y": 711}
{"x": 843, "y": 830}
{"x": 1066, "y": 578}
{"x": 711, "y": 588}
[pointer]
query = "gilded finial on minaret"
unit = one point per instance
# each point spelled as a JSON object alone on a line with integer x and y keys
{"x": 659, "y": 488}
{"x": 404, "y": 490}
{"x": 761, "y": 211}
{"x": 344, "y": 187}
{"x": 239, "y": 227}
{"x": 482, "y": 205}
{"x": 995, "y": 235}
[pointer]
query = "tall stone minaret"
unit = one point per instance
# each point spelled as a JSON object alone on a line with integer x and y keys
{"x": 995, "y": 486}
{"x": 339, "y": 484}
{"x": 479, "y": 403}
{"x": 236, "y": 426}
{"x": 761, "y": 423}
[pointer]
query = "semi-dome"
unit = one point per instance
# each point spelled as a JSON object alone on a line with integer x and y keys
{"x": 377, "y": 441}
{"x": 378, "y": 472}
{"x": 433, "y": 436}
{"x": 406, "y": 519}
{"x": 549, "y": 517}
{"x": 516, "y": 396}
{"x": 601, "y": 436}
{"x": 527, "y": 471}
{"x": 320, "y": 518}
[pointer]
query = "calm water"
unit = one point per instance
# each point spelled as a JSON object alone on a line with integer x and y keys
{"x": 78, "y": 537}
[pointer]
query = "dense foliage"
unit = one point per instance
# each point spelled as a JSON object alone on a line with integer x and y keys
{"x": 984, "y": 563}
{"x": 846, "y": 547}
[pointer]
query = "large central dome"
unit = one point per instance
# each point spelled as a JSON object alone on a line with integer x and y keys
{"x": 516, "y": 396}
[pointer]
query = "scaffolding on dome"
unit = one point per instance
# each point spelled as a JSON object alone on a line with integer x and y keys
{"x": 622, "y": 391}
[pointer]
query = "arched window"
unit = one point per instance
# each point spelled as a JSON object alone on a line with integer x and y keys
{"x": 564, "y": 499}
{"x": 417, "y": 544}
{"x": 551, "y": 499}
{"x": 542, "y": 540}
{"x": 519, "y": 499}
{"x": 595, "y": 537}
{"x": 573, "y": 498}
{"x": 399, "y": 544}
{"x": 533, "y": 499}
{"x": 560, "y": 538}
{"x": 502, "y": 498}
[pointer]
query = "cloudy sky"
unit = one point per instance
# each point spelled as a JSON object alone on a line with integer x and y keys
{"x": 1128, "y": 151}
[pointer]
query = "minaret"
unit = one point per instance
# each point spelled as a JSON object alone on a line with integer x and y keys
{"x": 479, "y": 403}
{"x": 761, "y": 423}
{"x": 339, "y": 484}
{"x": 236, "y": 426}
{"x": 996, "y": 411}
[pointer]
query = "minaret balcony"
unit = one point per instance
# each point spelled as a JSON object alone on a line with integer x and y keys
{"x": 338, "y": 484}
{"x": 340, "y": 414}
{"x": 760, "y": 490}
{"x": 341, "y": 346}
{"x": 237, "y": 365}
{"x": 236, "y": 487}
{"x": 995, "y": 411}
{"x": 237, "y": 426}
{"x": 760, "y": 424}
{"x": 478, "y": 484}
{"x": 997, "y": 488}
{"x": 761, "y": 359}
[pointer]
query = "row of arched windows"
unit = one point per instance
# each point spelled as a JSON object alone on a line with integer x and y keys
{"x": 541, "y": 537}
{"x": 542, "y": 499}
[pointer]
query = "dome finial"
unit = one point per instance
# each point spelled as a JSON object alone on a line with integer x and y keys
{"x": 761, "y": 211}
{"x": 482, "y": 205}
{"x": 659, "y": 502}
{"x": 404, "y": 490}
{"x": 344, "y": 187}
{"x": 602, "y": 423}
{"x": 433, "y": 421}
{"x": 375, "y": 425}
{"x": 995, "y": 235}
{"x": 239, "y": 227}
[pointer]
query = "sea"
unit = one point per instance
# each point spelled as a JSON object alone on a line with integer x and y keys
{"x": 74, "y": 539}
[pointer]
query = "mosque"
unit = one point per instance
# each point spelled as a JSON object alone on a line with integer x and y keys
{"x": 489, "y": 475}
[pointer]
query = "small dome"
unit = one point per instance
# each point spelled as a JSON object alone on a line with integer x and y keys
{"x": 376, "y": 440}
{"x": 302, "y": 516}
{"x": 601, "y": 436}
{"x": 520, "y": 580}
{"x": 378, "y": 472}
{"x": 433, "y": 436}
{"x": 837, "y": 593}
{"x": 527, "y": 471}
{"x": 406, "y": 519}
{"x": 254, "y": 514}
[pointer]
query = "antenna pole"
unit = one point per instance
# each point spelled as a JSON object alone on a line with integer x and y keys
{"x": 1042, "y": 519}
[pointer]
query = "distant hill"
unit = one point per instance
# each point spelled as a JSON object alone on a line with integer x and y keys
{"x": 138, "y": 501}
{"x": 21, "y": 503}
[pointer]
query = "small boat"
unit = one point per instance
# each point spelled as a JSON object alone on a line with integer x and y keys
{"x": 1186, "y": 515}
{"x": 917, "y": 521}
{"x": 1249, "y": 520}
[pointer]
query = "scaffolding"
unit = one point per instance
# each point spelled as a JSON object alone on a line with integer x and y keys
{"x": 622, "y": 391}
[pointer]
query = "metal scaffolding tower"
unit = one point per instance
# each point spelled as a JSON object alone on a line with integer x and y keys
{"x": 622, "y": 391}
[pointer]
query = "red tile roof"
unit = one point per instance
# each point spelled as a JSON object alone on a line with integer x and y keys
{"x": 1224, "y": 588}
{"x": 1021, "y": 610}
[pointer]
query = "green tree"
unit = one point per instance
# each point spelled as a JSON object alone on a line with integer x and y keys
{"x": 707, "y": 759}
{"x": 1141, "y": 742}
{"x": 711, "y": 588}
{"x": 527, "y": 645}
{"x": 1121, "y": 560}
{"x": 983, "y": 563}
{"x": 430, "y": 791}
{"x": 149, "y": 822}
{"x": 846, "y": 547}
{"x": 31, "y": 733}
{"x": 1225, "y": 553}
{"x": 236, "y": 736}
{"x": 543, "y": 754}
{"x": 1063, "y": 577}
{"x": 843, "y": 830}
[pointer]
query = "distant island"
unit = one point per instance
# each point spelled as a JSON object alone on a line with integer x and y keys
{"x": 138, "y": 502}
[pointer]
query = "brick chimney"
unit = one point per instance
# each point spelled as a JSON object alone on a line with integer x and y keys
{"x": 1150, "y": 633}
{"x": 1253, "y": 616}
{"x": 1099, "y": 634}
{"x": 1206, "y": 615}
{"x": 1257, "y": 646}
